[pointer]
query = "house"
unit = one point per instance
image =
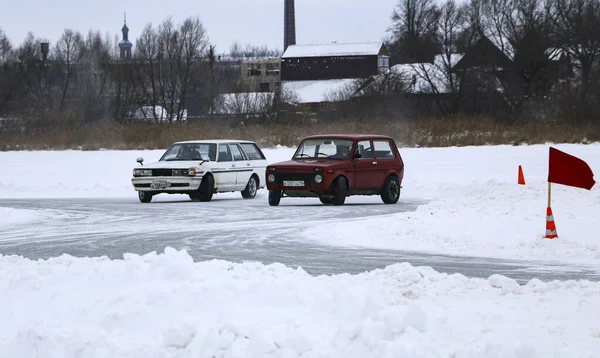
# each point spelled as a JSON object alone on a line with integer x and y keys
{"x": 333, "y": 61}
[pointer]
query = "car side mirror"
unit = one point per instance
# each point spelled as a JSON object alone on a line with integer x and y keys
{"x": 140, "y": 160}
{"x": 206, "y": 158}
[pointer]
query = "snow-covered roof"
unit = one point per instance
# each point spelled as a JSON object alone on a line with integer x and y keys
{"x": 318, "y": 91}
{"x": 333, "y": 49}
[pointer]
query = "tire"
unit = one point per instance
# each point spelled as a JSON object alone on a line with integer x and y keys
{"x": 391, "y": 190}
{"x": 340, "y": 190}
{"x": 194, "y": 196}
{"x": 326, "y": 200}
{"x": 274, "y": 197}
{"x": 251, "y": 188}
{"x": 206, "y": 189}
{"x": 145, "y": 196}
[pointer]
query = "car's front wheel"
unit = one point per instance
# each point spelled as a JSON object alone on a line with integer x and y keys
{"x": 391, "y": 191}
{"x": 207, "y": 188}
{"x": 274, "y": 197}
{"x": 144, "y": 196}
{"x": 326, "y": 200}
{"x": 251, "y": 188}
{"x": 340, "y": 190}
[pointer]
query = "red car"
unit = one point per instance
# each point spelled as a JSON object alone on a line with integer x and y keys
{"x": 333, "y": 166}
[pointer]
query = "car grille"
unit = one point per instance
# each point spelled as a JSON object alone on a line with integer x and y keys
{"x": 306, "y": 177}
{"x": 162, "y": 172}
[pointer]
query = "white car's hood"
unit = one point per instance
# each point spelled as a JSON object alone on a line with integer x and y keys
{"x": 174, "y": 164}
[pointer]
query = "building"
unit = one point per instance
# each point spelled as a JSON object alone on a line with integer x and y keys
{"x": 334, "y": 61}
{"x": 125, "y": 45}
{"x": 261, "y": 75}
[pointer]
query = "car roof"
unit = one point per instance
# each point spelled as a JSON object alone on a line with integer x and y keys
{"x": 349, "y": 136}
{"x": 217, "y": 141}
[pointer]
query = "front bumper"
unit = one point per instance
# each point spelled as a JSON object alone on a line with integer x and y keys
{"x": 166, "y": 184}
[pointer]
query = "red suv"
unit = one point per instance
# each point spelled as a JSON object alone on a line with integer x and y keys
{"x": 334, "y": 166}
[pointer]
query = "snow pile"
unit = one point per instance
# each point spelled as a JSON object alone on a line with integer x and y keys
{"x": 168, "y": 306}
{"x": 10, "y": 216}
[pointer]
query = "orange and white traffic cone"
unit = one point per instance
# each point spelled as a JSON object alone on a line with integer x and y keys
{"x": 550, "y": 226}
{"x": 521, "y": 178}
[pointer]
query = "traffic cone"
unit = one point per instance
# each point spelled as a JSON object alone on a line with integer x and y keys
{"x": 521, "y": 179}
{"x": 550, "y": 226}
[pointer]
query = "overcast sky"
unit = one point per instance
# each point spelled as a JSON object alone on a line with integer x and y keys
{"x": 258, "y": 22}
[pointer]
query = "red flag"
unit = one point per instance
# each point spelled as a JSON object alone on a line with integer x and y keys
{"x": 568, "y": 170}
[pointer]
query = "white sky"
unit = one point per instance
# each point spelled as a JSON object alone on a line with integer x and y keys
{"x": 257, "y": 22}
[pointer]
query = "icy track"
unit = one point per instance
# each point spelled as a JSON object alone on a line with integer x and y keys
{"x": 168, "y": 306}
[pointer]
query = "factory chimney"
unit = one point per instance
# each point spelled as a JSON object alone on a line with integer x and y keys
{"x": 289, "y": 24}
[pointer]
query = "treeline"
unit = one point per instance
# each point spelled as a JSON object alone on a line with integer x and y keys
{"x": 552, "y": 47}
{"x": 547, "y": 68}
{"x": 82, "y": 77}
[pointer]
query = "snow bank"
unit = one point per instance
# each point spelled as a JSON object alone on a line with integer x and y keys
{"x": 168, "y": 306}
{"x": 472, "y": 205}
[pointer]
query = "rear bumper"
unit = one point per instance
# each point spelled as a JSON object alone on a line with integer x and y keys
{"x": 173, "y": 184}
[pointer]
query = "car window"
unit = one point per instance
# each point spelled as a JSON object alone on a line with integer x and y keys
{"x": 207, "y": 150}
{"x": 252, "y": 151}
{"x": 383, "y": 149}
{"x": 237, "y": 152}
{"x": 224, "y": 153}
{"x": 190, "y": 151}
{"x": 364, "y": 149}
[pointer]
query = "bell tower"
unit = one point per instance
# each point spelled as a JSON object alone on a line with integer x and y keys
{"x": 125, "y": 45}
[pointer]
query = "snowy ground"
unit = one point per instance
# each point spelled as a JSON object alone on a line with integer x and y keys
{"x": 473, "y": 205}
{"x": 168, "y": 306}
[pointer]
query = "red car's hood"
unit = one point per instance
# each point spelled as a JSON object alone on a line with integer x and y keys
{"x": 308, "y": 165}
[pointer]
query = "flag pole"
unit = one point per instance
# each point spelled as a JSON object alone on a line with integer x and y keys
{"x": 549, "y": 193}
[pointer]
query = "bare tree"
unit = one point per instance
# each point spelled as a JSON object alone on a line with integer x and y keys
{"x": 190, "y": 50}
{"x": 93, "y": 80}
{"x": 577, "y": 29}
{"x": 413, "y": 31}
{"x": 9, "y": 77}
{"x": 70, "y": 49}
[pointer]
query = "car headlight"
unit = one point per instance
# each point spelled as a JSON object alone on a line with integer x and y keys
{"x": 193, "y": 172}
{"x": 271, "y": 178}
{"x": 318, "y": 178}
{"x": 142, "y": 172}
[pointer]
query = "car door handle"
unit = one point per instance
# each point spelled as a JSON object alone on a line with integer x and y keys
{"x": 233, "y": 165}
{"x": 247, "y": 164}
{"x": 373, "y": 163}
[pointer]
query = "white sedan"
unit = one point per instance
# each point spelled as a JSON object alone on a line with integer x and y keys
{"x": 201, "y": 168}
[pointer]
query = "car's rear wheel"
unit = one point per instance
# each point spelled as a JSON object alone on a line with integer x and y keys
{"x": 144, "y": 196}
{"x": 207, "y": 188}
{"x": 251, "y": 188}
{"x": 194, "y": 196}
{"x": 391, "y": 190}
{"x": 274, "y": 197}
{"x": 340, "y": 191}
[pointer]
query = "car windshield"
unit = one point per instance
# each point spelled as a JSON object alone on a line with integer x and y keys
{"x": 190, "y": 151}
{"x": 324, "y": 148}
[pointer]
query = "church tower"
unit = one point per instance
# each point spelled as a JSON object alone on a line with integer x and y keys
{"x": 125, "y": 45}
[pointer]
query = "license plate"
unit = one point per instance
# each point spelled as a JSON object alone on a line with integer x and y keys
{"x": 160, "y": 185}
{"x": 293, "y": 183}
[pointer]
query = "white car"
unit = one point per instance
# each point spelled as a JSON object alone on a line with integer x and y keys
{"x": 201, "y": 168}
